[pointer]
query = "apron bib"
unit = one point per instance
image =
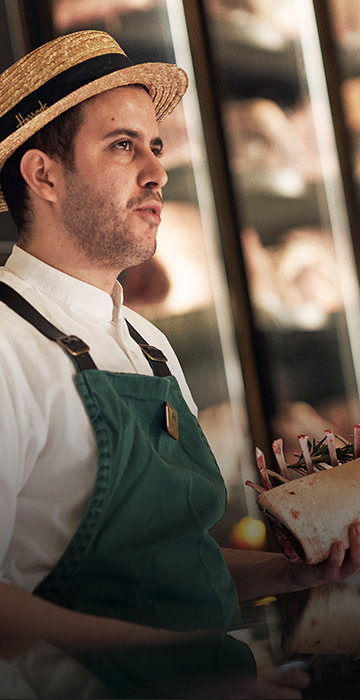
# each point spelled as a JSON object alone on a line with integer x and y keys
{"x": 143, "y": 552}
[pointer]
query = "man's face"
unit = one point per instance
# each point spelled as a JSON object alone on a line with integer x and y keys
{"x": 111, "y": 204}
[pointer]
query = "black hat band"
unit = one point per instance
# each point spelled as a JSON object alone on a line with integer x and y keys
{"x": 59, "y": 87}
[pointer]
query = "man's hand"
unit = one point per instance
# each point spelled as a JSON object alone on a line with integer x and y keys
{"x": 257, "y": 574}
{"x": 340, "y": 564}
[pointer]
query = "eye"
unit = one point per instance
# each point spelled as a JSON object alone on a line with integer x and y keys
{"x": 157, "y": 151}
{"x": 123, "y": 145}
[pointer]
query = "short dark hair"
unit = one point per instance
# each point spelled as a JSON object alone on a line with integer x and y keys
{"x": 56, "y": 139}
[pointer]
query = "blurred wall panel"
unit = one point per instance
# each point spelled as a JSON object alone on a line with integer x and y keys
{"x": 11, "y": 48}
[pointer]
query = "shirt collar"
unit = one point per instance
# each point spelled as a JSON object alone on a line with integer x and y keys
{"x": 69, "y": 290}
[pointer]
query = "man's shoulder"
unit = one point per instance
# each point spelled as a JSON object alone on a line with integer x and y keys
{"x": 10, "y": 322}
{"x": 12, "y": 280}
{"x": 17, "y": 336}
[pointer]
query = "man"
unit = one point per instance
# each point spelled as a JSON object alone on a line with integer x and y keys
{"x": 108, "y": 488}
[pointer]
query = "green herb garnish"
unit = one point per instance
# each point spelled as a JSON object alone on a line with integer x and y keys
{"x": 319, "y": 453}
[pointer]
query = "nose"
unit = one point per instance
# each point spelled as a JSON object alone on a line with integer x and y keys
{"x": 152, "y": 175}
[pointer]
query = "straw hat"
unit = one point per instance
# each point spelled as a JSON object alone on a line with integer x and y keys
{"x": 68, "y": 70}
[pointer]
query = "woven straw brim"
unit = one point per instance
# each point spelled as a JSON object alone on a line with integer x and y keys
{"x": 166, "y": 83}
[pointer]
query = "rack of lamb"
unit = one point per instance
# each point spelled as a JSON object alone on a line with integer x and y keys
{"x": 318, "y": 496}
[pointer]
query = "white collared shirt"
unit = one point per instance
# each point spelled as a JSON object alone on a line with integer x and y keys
{"x": 48, "y": 458}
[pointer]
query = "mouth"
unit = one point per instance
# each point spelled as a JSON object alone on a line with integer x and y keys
{"x": 151, "y": 209}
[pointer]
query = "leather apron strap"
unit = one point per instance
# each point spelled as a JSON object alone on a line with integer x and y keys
{"x": 154, "y": 356}
{"x": 72, "y": 344}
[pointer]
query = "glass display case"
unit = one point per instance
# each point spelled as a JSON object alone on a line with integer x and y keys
{"x": 292, "y": 214}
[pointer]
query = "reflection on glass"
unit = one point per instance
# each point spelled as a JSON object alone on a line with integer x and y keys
{"x": 325, "y": 620}
{"x": 294, "y": 284}
{"x": 268, "y": 25}
{"x": 181, "y": 254}
{"x": 82, "y": 13}
{"x": 272, "y": 147}
{"x": 346, "y": 22}
{"x": 346, "y": 28}
{"x": 294, "y": 229}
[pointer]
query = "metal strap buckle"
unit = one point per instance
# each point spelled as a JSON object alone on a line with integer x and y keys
{"x": 153, "y": 353}
{"x": 73, "y": 345}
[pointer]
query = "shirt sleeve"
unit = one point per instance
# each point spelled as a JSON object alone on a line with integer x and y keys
{"x": 10, "y": 468}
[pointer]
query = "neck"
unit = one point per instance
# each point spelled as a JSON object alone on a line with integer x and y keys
{"x": 67, "y": 259}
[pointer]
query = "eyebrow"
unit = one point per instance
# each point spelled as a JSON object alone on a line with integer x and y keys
{"x": 157, "y": 141}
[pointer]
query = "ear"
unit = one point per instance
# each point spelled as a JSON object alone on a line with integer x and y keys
{"x": 41, "y": 173}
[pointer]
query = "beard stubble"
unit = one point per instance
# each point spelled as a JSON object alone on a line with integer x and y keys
{"x": 93, "y": 222}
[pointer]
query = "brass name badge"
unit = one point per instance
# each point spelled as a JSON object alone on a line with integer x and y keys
{"x": 172, "y": 421}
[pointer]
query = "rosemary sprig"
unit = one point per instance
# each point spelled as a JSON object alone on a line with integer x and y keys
{"x": 319, "y": 453}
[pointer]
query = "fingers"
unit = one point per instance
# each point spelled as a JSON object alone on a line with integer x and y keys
{"x": 295, "y": 677}
{"x": 331, "y": 567}
{"x": 338, "y": 566}
{"x": 354, "y": 554}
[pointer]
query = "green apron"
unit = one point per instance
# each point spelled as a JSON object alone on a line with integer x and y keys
{"x": 143, "y": 552}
